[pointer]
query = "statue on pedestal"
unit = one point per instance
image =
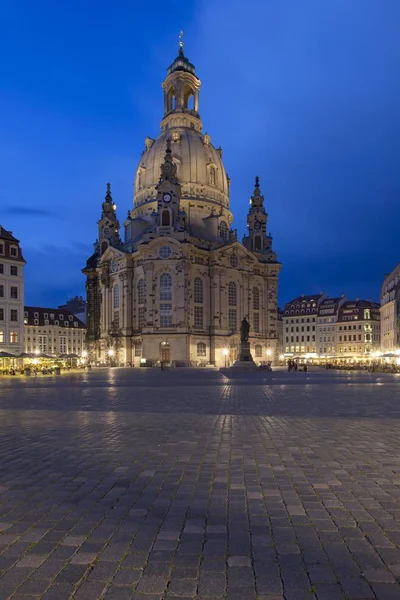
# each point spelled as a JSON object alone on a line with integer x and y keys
{"x": 244, "y": 330}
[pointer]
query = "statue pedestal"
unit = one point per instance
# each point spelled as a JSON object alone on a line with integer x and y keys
{"x": 245, "y": 354}
{"x": 245, "y": 361}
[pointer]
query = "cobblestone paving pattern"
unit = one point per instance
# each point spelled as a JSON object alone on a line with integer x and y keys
{"x": 129, "y": 484}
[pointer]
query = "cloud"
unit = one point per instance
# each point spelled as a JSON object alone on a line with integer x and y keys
{"x": 29, "y": 211}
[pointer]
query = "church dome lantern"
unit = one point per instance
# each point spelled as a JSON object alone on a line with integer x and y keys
{"x": 200, "y": 169}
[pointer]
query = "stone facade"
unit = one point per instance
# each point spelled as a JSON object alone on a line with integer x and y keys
{"x": 11, "y": 294}
{"x": 300, "y": 325}
{"x": 358, "y": 329}
{"x": 390, "y": 312}
{"x": 177, "y": 286}
{"x": 53, "y": 331}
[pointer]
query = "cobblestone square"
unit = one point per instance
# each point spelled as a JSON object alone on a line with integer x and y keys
{"x": 136, "y": 484}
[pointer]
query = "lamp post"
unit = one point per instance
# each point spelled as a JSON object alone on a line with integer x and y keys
{"x": 225, "y": 352}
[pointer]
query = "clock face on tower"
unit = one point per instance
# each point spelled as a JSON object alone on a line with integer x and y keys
{"x": 167, "y": 197}
{"x": 257, "y": 225}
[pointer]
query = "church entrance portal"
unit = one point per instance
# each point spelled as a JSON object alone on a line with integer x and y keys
{"x": 165, "y": 352}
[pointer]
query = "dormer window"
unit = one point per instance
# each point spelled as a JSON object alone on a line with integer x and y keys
{"x": 14, "y": 251}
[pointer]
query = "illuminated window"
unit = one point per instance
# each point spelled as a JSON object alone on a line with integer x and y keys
{"x": 1, "y": 336}
{"x": 13, "y": 337}
{"x": 201, "y": 349}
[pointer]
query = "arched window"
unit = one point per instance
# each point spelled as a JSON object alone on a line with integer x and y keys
{"x": 198, "y": 290}
{"x": 212, "y": 176}
{"x": 166, "y": 287}
{"x": 201, "y": 349}
{"x": 140, "y": 180}
{"x": 166, "y": 218}
{"x": 256, "y": 298}
{"x": 258, "y": 350}
{"x": 104, "y": 247}
{"x": 257, "y": 242}
{"x": 232, "y": 294}
{"x": 116, "y": 297}
{"x": 223, "y": 230}
{"x": 141, "y": 292}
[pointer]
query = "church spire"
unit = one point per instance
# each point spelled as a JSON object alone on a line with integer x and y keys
{"x": 181, "y": 52}
{"x": 168, "y": 167}
{"x": 257, "y": 200}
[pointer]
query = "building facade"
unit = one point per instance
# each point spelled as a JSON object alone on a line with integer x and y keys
{"x": 358, "y": 329}
{"x": 390, "y": 312}
{"x": 326, "y": 328}
{"x": 299, "y": 326}
{"x": 178, "y": 284}
{"x": 53, "y": 332}
{"x": 11, "y": 294}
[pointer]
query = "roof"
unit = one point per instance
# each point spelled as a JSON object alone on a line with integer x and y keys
{"x": 62, "y": 316}
{"x": 7, "y": 235}
{"x": 9, "y": 243}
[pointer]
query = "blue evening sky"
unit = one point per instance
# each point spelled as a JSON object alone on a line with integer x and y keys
{"x": 304, "y": 93}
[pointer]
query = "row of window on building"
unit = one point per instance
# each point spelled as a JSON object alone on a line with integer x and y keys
{"x": 13, "y": 270}
{"x": 13, "y": 336}
{"x": 13, "y": 315}
{"x": 165, "y": 296}
{"x": 13, "y": 292}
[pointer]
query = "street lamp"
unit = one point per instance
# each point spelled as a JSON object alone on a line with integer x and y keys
{"x": 268, "y": 352}
{"x": 225, "y": 352}
{"x": 110, "y": 352}
{"x": 84, "y": 354}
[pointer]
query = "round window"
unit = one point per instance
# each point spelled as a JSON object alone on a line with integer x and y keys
{"x": 164, "y": 252}
{"x": 234, "y": 261}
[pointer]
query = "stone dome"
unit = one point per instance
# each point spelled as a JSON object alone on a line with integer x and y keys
{"x": 201, "y": 172}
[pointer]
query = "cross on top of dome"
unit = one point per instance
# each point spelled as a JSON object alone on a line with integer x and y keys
{"x": 181, "y": 63}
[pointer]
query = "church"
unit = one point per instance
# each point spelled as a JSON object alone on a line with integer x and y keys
{"x": 177, "y": 283}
